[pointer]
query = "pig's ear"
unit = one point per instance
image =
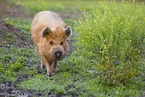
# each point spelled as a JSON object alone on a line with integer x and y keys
{"x": 68, "y": 31}
{"x": 46, "y": 31}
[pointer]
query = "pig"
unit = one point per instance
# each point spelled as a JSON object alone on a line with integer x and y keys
{"x": 51, "y": 38}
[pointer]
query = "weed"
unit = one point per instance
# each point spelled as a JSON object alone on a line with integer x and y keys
{"x": 112, "y": 36}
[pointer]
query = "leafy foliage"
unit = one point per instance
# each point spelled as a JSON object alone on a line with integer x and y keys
{"x": 112, "y": 37}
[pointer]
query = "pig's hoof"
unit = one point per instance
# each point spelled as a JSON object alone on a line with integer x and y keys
{"x": 41, "y": 66}
{"x": 50, "y": 74}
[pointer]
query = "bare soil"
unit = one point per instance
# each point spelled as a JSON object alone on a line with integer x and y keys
{"x": 13, "y": 10}
{"x": 9, "y": 31}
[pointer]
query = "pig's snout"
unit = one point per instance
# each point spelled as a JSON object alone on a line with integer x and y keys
{"x": 58, "y": 54}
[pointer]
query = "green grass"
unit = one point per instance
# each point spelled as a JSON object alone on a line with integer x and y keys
{"x": 40, "y": 5}
{"x": 108, "y": 57}
{"x": 15, "y": 62}
{"x": 21, "y": 23}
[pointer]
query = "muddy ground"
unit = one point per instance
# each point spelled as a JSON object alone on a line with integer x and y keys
{"x": 11, "y": 10}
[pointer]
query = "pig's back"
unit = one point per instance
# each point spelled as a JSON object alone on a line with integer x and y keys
{"x": 47, "y": 18}
{"x": 43, "y": 19}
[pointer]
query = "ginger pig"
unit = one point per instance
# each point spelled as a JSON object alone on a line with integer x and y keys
{"x": 51, "y": 38}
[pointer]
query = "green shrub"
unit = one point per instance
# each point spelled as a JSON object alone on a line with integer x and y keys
{"x": 112, "y": 38}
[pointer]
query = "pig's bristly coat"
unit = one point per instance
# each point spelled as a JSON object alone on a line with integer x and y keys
{"x": 50, "y": 36}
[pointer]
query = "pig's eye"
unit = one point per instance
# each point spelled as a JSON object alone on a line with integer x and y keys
{"x": 61, "y": 43}
{"x": 51, "y": 43}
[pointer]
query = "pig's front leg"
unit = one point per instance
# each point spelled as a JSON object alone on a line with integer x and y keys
{"x": 47, "y": 64}
{"x": 41, "y": 64}
{"x": 49, "y": 71}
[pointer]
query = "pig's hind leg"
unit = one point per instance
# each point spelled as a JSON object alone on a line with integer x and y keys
{"x": 54, "y": 64}
{"x": 41, "y": 64}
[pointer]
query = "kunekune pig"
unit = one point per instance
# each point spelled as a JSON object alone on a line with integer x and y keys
{"x": 51, "y": 38}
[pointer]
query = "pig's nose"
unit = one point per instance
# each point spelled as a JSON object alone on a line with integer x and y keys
{"x": 57, "y": 54}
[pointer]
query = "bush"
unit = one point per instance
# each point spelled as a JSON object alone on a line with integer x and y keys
{"x": 112, "y": 38}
